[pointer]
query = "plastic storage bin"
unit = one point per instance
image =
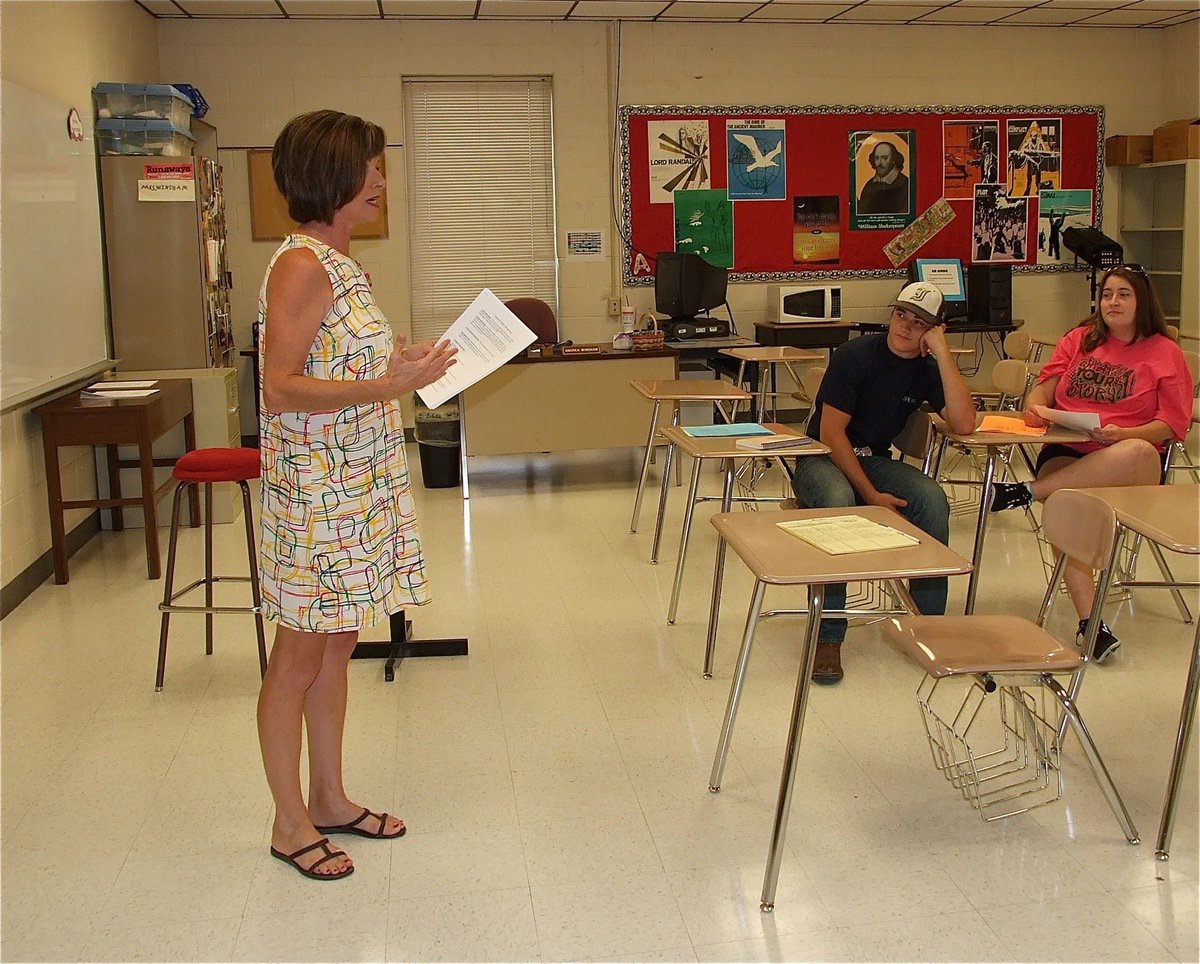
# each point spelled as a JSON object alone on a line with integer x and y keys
{"x": 143, "y": 102}
{"x": 160, "y": 137}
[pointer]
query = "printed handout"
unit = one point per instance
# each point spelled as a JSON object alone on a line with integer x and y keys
{"x": 486, "y": 335}
{"x": 1076, "y": 421}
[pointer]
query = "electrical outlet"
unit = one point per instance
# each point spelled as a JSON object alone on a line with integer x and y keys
{"x": 614, "y": 307}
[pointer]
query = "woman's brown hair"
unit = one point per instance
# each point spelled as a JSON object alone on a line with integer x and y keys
{"x": 320, "y": 162}
{"x": 1148, "y": 320}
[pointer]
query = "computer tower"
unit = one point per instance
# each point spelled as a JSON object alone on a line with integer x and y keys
{"x": 989, "y": 294}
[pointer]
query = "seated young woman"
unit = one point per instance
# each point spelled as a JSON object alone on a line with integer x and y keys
{"x": 1122, "y": 365}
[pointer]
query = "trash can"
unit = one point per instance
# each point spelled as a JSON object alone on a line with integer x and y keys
{"x": 439, "y": 444}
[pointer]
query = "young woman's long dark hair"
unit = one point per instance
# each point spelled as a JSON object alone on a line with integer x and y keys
{"x": 1148, "y": 320}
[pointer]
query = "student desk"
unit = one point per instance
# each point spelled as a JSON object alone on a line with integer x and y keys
{"x": 730, "y": 455}
{"x": 561, "y": 403}
{"x": 75, "y": 420}
{"x": 776, "y": 558}
{"x": 1166, "y": 515}
{"x": 991, "y": 443}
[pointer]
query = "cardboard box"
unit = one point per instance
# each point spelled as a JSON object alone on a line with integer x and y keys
{"x": 1177, "y": 140}
{"x": 1122, "y": 150}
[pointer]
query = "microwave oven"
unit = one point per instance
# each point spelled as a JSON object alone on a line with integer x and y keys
{"x": 800, "y": 304}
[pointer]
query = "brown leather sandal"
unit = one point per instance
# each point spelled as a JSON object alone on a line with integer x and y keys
{"x": 354, "y": 828}
{"x": 331, "y": 853}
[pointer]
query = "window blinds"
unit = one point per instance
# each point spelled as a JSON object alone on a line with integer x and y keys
{"x": 479, "y": 161}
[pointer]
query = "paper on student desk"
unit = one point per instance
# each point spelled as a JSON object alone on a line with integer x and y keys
{"x": 1076, "y": 421}
{"x": 131, "y": 393}
{"x": 486, "y": 335}
{"x": 842, "y": 534}
{"x": 1008, "y": 425}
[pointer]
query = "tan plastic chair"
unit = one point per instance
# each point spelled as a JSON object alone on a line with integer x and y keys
{"x": 810, "y": 384}
{"x": 1018, "y": 345}
{"x": 1014, "y": 656}
{"x": 914, "y": 440}
{"x": 1178, "y": 459}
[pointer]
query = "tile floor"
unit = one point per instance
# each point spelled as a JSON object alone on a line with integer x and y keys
{"x": 554, "y": 781}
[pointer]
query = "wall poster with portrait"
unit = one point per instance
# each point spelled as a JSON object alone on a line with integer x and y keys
{"x": 824, "y": 192}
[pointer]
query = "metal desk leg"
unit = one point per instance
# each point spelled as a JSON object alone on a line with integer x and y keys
{"x": 1187, "y": 720}
{"x": 735, "y": 686}
{"x": 637, "y": 499}
{"x": 985, "y": 500}
{"x": 714, "y": 607}
{"x": 726, "y": 502}
{"x": 662, "y": 503}
{"x": 688, "y": 512}
{"x": 816, "y": 603}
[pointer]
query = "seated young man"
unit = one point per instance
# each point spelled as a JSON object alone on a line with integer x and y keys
{"x": 873, "y": 384}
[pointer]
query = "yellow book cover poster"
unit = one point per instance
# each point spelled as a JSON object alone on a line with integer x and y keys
{"x": 815, "y": 230}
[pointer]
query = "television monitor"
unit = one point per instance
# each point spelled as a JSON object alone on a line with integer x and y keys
{"x": 686, "y": 285}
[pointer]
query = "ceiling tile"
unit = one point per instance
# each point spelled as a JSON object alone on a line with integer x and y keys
{"x": 799, "y": 11}
{"x": 231, "y": 8}
{"x": 528, "y": 9}
{"x": 886, "y": 12}
{"x": 1044, "y": 16}
{"x": 618, "y": 9}
{"x": 330, "y": 8}
{"x": 1131, "y": 17}
{"x": 974, "y": 13}
{"x": 709, "y": 10}
{"x": 428, "y": 8}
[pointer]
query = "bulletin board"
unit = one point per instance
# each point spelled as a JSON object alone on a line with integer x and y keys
{"x": 786, "y": 193}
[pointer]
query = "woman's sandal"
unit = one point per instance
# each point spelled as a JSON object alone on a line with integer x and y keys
{"x": 311, "y": 871}
{"x": 354, "y": 828}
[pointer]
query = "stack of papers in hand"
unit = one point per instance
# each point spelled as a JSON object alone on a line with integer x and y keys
{"x": 119, "y": 389}
{"x": 775, "y": 441}
{"x": 725, "y": 430}
{"x": 842, "y": 534}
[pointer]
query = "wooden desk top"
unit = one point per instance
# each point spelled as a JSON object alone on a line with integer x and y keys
{"x": 606, "y": 353}
{"x": 778, "y": 558}
{"x": 773, "y": 353}
{"x": 993, "y": 439}
{"x": 1166, "y": 514}
{"x": 802, "y": 325}
{"x": 726, "y": 447}
{"x": 106, "y": 421}
{"x": 691, "y": 390}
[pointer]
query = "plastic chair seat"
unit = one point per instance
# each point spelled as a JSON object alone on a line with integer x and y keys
{"x": 959, "y": 645}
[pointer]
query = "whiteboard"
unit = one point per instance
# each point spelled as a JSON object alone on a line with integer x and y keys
{"x": 53, "y": 324}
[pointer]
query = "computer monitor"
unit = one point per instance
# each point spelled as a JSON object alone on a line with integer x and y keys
{"x": 686, "y": 285}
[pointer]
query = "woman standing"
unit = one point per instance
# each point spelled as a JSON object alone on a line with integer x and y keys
{"x": 339, "y": 542}
{"x": 1123, "y": 366}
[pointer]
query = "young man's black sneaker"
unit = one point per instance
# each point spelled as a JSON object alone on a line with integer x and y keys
{"x": 1011, "y": 495}
{"x": 1106, "y": 642}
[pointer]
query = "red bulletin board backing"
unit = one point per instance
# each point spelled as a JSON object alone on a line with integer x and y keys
{"x": 821, "y": 158}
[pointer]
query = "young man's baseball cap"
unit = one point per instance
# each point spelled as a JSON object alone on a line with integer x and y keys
{"x": 922, "y": 299}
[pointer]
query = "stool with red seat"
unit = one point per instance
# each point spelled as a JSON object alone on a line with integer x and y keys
{"x": 206, "y": 467}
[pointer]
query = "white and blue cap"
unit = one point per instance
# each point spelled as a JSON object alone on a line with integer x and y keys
{"x": 923, "y": 300}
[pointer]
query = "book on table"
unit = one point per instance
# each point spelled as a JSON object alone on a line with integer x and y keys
{"x": 779, "y": 440}
{"x": 842, "y": 534}
{"x": 726, "y": 430}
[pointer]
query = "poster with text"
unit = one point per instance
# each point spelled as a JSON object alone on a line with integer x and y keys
{"x": 882, "y": 179}
{"x": 970, "y": 156}
{"x": 704, "y": 225}
{"x": 755, "y": 151}
{"x": 999, "y": 225}
{"x": 677, "y": 158}
{"x": 1057, "y": 211}
{"x": 1034, "y": 156}
{"x": 816, "y": 238}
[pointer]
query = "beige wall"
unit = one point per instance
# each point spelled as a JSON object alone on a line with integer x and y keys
{"x": 59, "y": 50}
{"x": 256, "y": 74}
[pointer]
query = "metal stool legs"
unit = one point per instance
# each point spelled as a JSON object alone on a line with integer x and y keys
{"x": 168, "y": 606}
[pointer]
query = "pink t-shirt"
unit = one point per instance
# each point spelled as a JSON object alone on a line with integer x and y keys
{"x": 1126, "y": 385}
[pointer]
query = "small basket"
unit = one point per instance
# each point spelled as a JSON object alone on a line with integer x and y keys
{"x": 649, "y": 339}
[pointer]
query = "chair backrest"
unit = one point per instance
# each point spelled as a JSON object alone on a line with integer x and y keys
{"x": 537, "y": 316}
{"x": 1173, "y": 331}
{"x": 1193, "y": 363}
{"x": 1080, "y": 525}
{"x": 1010, "y": 377}
{"x": 913, "y": 440}
{"x": 1018, "y": 344}
{"x": 810, "y": 382}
